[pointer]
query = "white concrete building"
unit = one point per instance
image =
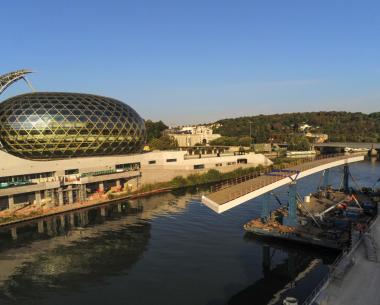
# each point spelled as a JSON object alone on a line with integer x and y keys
{"x": 66, "y": 181}
{"x": 192, "y": 135}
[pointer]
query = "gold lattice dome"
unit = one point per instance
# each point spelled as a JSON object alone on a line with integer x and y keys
{"x": 64, "y": 125}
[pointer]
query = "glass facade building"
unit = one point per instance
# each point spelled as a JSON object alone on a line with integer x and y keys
{"x": 40, "y": 126}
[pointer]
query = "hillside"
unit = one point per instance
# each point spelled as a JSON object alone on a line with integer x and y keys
{"x": 340, "y": 126}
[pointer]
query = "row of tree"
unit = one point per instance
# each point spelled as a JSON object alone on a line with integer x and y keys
{"x": 156, "y": 139}
{"x": 340, "y": 126}
{"x": 280, "y": 128}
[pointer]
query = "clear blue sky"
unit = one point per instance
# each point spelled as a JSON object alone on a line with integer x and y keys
{"x": 199, "y": 61}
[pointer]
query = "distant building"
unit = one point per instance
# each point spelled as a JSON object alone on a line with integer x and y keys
{"x": 304, "y": 127}
{"x": 193, "y": 135}
{"x": 317, "y": 137}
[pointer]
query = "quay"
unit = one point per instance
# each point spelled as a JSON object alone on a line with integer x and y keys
{"x": 354, "y": 279}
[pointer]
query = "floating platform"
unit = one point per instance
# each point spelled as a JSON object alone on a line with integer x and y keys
{"x": 327, "y": 220}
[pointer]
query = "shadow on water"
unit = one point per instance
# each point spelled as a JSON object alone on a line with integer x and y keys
{"x": 58, "y": 253}
{"x": 287, "y": 269}
{"x": 165, "y": 249}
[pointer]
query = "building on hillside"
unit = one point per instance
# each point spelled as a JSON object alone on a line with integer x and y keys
{"x": 193, "y": 135}
{"x": 317, "y": 138}
{"x": 304, "y": 127}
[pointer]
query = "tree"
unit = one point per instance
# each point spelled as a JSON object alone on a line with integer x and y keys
{"x": 154, "y": 130}
{"x": 299, "y": 143}
{"x": 340, "y": 126}
{"x": 164, "y": 143}
{"x": 225, "y": 141}
{"x": 245, "y": 141}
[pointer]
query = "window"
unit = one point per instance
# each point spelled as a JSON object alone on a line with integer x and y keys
{"x": 243, "y": 161}
{"x": 152, "y": 162}
{"x": 23, "y": 178}
{"x": 231, "y": 163}
{"x": 127, "y": 166}
{"x": 218, "y": 164}
{"x": 171, "y": 160}
{"x": 71, "y": 171}
{"x": 199, "y": 166}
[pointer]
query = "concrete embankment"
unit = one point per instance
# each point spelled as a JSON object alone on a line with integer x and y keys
{"x": 355, "y": 279}
{"x": 79, "y": 206}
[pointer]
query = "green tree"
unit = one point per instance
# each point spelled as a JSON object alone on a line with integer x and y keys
{"x": 154, "y": 130}
{"x": 164, "y": 143}
{"x": 299, "y": 143}
{"x": 340, "y": 126}
{"x": 225, "y": 141}
{"x": 245, "y": 141}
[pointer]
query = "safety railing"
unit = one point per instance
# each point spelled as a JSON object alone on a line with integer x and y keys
{"x": 299, "y": 161}
{"x": 333, "y": 267}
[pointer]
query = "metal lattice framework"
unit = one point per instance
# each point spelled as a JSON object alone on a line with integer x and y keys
{"x": 63, "y": 125}
{"x": 8, "y": 79}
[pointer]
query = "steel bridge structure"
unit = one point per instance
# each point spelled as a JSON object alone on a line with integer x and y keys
{"x": 234, "y": 192}
{"x": 8, "y": 79}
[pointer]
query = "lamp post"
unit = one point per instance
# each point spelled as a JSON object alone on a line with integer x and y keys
{"x": 250, "y": 134}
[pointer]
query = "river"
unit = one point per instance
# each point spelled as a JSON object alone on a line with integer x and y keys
{"x": 168, "y": 249}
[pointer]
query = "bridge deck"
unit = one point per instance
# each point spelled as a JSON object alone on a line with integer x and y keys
{"x": 235, "y": 194}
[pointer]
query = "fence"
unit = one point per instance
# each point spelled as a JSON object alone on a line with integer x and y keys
{"x": 333, "y": 267}
{"x": 268, "y": 170}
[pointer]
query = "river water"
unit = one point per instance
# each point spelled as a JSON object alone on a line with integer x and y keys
{"x": 167, "y": 249}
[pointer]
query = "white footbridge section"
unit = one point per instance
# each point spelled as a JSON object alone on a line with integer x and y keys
{"x": 234, "y": 194}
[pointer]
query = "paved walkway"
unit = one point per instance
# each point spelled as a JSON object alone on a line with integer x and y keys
{"x": 235, "y": 191}
{"x": 360, "y": 284}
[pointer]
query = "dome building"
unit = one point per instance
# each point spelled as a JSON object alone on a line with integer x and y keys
{"x": 49, "y": 125}
{"x": 59, "y": 148}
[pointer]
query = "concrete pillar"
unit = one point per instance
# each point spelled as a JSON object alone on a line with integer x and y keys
{"x": 119, "y": 207}
{"x": 101, "y": 186}
{"x": 103, "y": 211}
{"x": 86, "y": 217}
{"x": 49, "y": 228}
{"x": 118, "y": 183}
{"x": 72, "y": 220}
{"x": 70, "y": 194}
{"x": 38, "y": 198}
{"x": 60, "y": 197}
{"x": 40, "y": 227}
{"x": 11, "y": 202}
{"x": 54, "y": 226}
{"x": 83, "y": 219}
{"x": 14, "y": 233}
{"x": 82, "y": 192}
{"x": 62, "y": 221}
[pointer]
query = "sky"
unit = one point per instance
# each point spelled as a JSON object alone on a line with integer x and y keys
{"x": 187, "y": 62}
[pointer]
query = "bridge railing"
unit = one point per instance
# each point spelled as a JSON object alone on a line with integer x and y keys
{"x": 300, "y": 161}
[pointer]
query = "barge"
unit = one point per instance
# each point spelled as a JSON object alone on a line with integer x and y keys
{"x": 329, "y": 218}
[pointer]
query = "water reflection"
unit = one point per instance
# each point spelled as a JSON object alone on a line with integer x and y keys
{"x": 286, "y": 270}
{"x": 158, "y": 250}
{"x": 58, "y": 254}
